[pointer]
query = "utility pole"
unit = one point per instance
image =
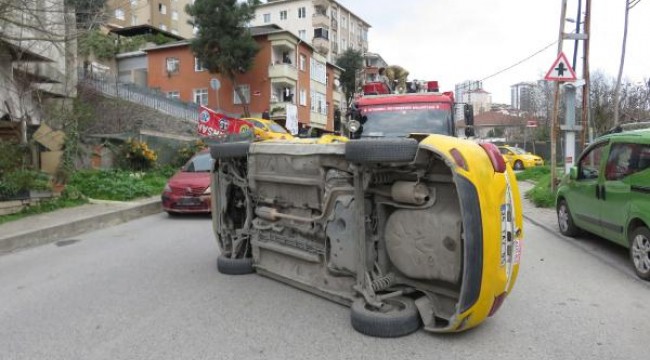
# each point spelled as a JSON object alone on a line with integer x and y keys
{"x": 585, "y": 75}
{"x": 556, "y": 102}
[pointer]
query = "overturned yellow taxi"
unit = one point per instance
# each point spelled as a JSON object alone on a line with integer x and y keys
{"x": 408, "y": 233}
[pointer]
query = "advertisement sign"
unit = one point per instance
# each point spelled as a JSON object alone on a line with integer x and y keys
{"x": 212, "y": 123}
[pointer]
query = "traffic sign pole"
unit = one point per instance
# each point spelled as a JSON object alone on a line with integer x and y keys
{"x": 556, "y": 103}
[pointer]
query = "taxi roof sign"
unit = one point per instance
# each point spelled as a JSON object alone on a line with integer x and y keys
{"x": 561, "y": 70}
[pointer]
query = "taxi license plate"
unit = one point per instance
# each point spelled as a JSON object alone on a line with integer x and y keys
{"x": 189, "y": 201}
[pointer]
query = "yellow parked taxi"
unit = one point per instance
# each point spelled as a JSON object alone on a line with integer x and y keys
{"x": 519, "y": 158}
{"x": 268, "y": 129}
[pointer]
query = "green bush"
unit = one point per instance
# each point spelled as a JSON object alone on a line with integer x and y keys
{"x": 534, "y": 174}
{"x": 119, "y": 185}
{"x": 541, "y": 194}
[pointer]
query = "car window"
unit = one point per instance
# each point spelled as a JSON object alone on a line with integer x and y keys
{"x": 519, "y": 151}
{"x": 277, "y": 128}
{"x": 199, "y": 163}
{"x": 589, "y": 165}
{"x": 504, "y": 151}
{"x": 258, "y": 124}
{"x": 626, "y": 159}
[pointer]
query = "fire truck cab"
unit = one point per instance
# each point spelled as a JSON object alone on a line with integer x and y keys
{"x": 422, "y": 109}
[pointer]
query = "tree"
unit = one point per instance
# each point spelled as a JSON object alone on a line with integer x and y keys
{"x": 629, "y": 4}
{"x": 224, "y": 42}
{"x": 352, "y": 62}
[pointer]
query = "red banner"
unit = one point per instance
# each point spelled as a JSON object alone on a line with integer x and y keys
{"x": 212, "y": 123}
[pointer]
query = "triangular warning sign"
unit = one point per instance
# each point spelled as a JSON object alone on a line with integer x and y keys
{"x": 561, "y": 70}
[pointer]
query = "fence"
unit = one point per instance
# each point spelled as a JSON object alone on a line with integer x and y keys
{"x": 108, "y": 85}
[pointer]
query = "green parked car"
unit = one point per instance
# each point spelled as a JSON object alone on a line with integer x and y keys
{"x": 608, "y": 194}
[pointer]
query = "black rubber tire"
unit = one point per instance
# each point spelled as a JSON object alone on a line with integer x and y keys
{"x": 641, "y": 267}
{"x": 400, "y": 320}
{"x": 173, "y": 214}
{"x": 229, "y": 266}
{"x": 569, "y": 228}
{"x": 518, "y": 165}
{"x": 365, "y": 151}
{"x": 229, "y": 150}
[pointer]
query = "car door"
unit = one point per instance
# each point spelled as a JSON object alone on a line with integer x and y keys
{"x": 583, "y": 197}
{"x": 623, "y": 163}
{"x": 508, "y": 155}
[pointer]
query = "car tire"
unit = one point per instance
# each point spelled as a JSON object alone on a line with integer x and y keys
{"x": 565, "y": 220}
{"x": 399, "y": 319}
{"x": 640, "y": 252}
{"x": 518, "y": 165}
{"x": 240, "y": 266}
{"x": 229, "y": 150}
{"x": 173, "y": 214}
{"x": 365, "y": 151}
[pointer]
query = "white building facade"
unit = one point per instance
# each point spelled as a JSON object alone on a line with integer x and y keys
{"x": 325, "y": 24}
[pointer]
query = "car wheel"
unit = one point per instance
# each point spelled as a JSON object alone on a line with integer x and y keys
{"x": 640, "y": 252}
{"x": 229, "y": 150}
{"x": 229, "y": 266}
{"x": 398, "y": 317}
{"x": 172, "y": 214}
{"x": 380, "y": 150}
{"x": 519, "y": 165}
{"x": 565, "y": 220}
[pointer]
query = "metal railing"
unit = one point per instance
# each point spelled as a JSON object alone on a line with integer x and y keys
{"x": 108, "y": 85}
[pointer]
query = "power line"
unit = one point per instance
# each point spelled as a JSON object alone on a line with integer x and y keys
{"x": 521, "y": 61}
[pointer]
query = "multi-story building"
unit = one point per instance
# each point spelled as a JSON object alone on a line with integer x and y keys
{"x": 166, "y": 15}
{"x": 37, "y": 63}
{"x": 373, "y": 62}
{"x": 287, "y": 75}
{"x": 472, "y": 92}
{"x": 466, "y": 86}
{"x": 522, "y": 96}
{"x": 327, "y": 25}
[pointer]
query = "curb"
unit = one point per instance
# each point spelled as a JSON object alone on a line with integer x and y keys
{"x": 79, "y": 226}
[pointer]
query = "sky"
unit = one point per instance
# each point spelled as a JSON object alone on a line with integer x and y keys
{"x": 456, "y": 40}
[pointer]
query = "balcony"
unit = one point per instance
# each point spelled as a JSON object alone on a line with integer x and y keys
{"x": 321, "y": 44}
{"x": 320, "y": 20}
{"x": 283, "y": 71}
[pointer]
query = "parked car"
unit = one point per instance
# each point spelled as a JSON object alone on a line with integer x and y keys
{"x": 268, "y": 129}
{"x": 188, "y": 191}
{"x": 408, "y": 233}
{"x": 608, "y": 194}
{"x": 519, "y": 158}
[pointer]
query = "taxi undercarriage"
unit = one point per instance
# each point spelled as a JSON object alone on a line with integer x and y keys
{"x": 382, "y": 225}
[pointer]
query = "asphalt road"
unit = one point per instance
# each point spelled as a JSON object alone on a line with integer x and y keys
{"x": 149, "y": 289}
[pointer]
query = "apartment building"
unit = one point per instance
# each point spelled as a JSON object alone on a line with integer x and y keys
{"x": 522, "y": 96}
{"x": 37, "y": 63}
{"x": 327, "y": 25}
{"x": 288, "y": 75}
{"x": 373, "y": 62}
{"x": 166, "y": 15}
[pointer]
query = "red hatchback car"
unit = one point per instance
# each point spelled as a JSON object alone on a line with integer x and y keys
{"x": 188, "y": 191}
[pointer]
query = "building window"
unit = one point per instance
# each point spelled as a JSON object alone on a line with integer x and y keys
{"x": 302, "y": 13}
{"x": 198, "y": 65}
{"x": 318, "y": 71}
{"x": 176, "y": 95}
{"x": 163, "y": 27}
{"x": 303, "y": 97}
{"x": 344, "y": 44}
{"x": 283, "y": 15}
{"x": 162, "y": 8}
{"x": 134, "y": 3}
{"x": 302, "y": 34}
{"x": 246, "y": 92}
{"x": 174, "y": 15}
{"x": 173, "y": 65}
{"x": 195, "y": 30}
{"x": 321, "y": 33}
{"x": 134, "y": 20}
{"x": 318, "y": 103}
{"x": 174, "y": 31}
{"x": 119, "y": 14}
{"x": 267, "y": 18}
{"x": 303, "y": 62}
{"x": 201, "y": 96}
{"x": 344, "y": 21}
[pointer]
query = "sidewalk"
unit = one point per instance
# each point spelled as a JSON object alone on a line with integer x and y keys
{"x": 64, "y": 223}
{"x": 61, "y": 224}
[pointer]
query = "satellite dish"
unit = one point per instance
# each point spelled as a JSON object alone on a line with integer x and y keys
{"x": 215, "y": 84}
{"x": 337, "y": 83}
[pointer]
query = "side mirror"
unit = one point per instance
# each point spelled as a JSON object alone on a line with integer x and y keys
{"x": 573, "y": 173}
{"x": 468, "y": 112}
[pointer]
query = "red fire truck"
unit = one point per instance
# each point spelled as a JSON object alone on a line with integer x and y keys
{"x": 421, "y": 110}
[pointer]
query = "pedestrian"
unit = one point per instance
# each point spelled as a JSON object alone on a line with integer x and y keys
{"x": 265, "y": 114}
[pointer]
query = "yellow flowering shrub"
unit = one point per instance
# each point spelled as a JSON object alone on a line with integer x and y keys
{"x": 136, "y": 155}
